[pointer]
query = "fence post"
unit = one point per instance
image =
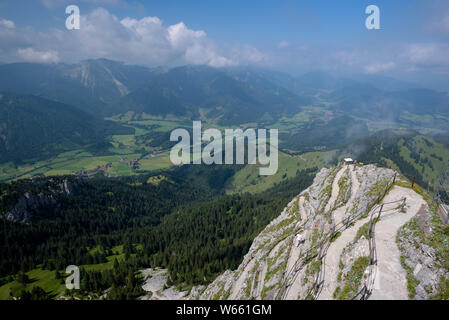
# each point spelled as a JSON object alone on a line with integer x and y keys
{"x": 380, "y": 211}
{"x": 370, "y": 228}
{"x": 370, "y": 251}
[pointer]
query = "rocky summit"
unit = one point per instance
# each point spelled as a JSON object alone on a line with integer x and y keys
{"x": 348, "y": 222}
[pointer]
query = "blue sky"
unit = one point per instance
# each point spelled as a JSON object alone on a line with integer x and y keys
{"x": 256, "y": 22}
{"x": 285, "y": 35}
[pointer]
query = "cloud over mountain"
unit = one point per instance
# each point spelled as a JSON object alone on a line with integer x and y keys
{"x": 139, "y": 41}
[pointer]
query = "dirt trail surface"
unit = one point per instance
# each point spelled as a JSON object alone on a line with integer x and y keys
{"x": 333, "y": 259}
{"x": 391, "y": 282}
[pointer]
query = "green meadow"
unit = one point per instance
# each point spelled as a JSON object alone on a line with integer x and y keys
{"x": 249, "y": 180}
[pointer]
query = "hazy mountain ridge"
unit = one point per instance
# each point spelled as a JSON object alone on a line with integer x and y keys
{"x": 222, "y": 95}
{"x": 330, "y": 111}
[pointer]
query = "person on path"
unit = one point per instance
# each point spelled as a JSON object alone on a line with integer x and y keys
{"x": 299, "y": 238}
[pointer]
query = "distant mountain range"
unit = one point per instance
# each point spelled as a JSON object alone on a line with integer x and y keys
{"x": 224, "y": 96}
{"x": 107, "y": 87}
{"x": 48, "y": 107}
{"x": 367, "y": 101}
{"x": 90, "y": 85}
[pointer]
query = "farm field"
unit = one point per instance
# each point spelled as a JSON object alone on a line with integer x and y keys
{"x": 123, "y": 149}
{"x": 146, "y": 150}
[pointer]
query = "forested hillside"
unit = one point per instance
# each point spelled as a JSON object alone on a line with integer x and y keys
{"x": 165, "y": 224}
{"x": 35, "y": 128}
{"x": 416, "y": 156}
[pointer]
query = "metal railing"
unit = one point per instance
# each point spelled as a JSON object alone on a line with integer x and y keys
{"x": 366, "y": 290}
{"x": 316, "y": 288}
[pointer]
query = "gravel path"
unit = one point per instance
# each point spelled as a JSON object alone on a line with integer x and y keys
{"x": 333, "y": 259}
{"x": 391, "y": 282}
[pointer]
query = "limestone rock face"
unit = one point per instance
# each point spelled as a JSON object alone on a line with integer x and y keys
{"x": 30, "y": 202}
{"x": 270, "y": 263}
{"x": 422, "y": 259}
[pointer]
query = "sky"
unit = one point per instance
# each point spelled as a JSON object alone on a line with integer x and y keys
{"x": 295, "y": 36}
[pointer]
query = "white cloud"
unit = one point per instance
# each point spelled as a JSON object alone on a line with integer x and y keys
{"x": 439, "y": 22}
{"x": 7, "y": 23}
{"x": 148, "y": 41}
{"x": 429, "y": 54}
{"x": 379, "y": 67}
{"x": 145, "y": 41}
{"x": 283, "y": 44}
{"x": 31, "y": 55}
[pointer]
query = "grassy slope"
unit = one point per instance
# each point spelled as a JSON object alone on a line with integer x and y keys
{"x": 249, "y": 180}
{"x": 436, "y": 154}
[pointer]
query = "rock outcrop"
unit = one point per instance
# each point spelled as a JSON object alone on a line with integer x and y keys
{"x": 43, "y": 194}
{"x": 422, "y": 261}
{"x": 270, "y": 270}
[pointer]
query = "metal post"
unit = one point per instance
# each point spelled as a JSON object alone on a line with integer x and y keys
{"x": 370, "y": 252}
{"x": 369, "y": 229}
{"x": 380, "y": 211}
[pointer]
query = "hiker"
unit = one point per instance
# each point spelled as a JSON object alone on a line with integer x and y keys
{"x": 355, "y": 164}
{"x": 299, "y": 239}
